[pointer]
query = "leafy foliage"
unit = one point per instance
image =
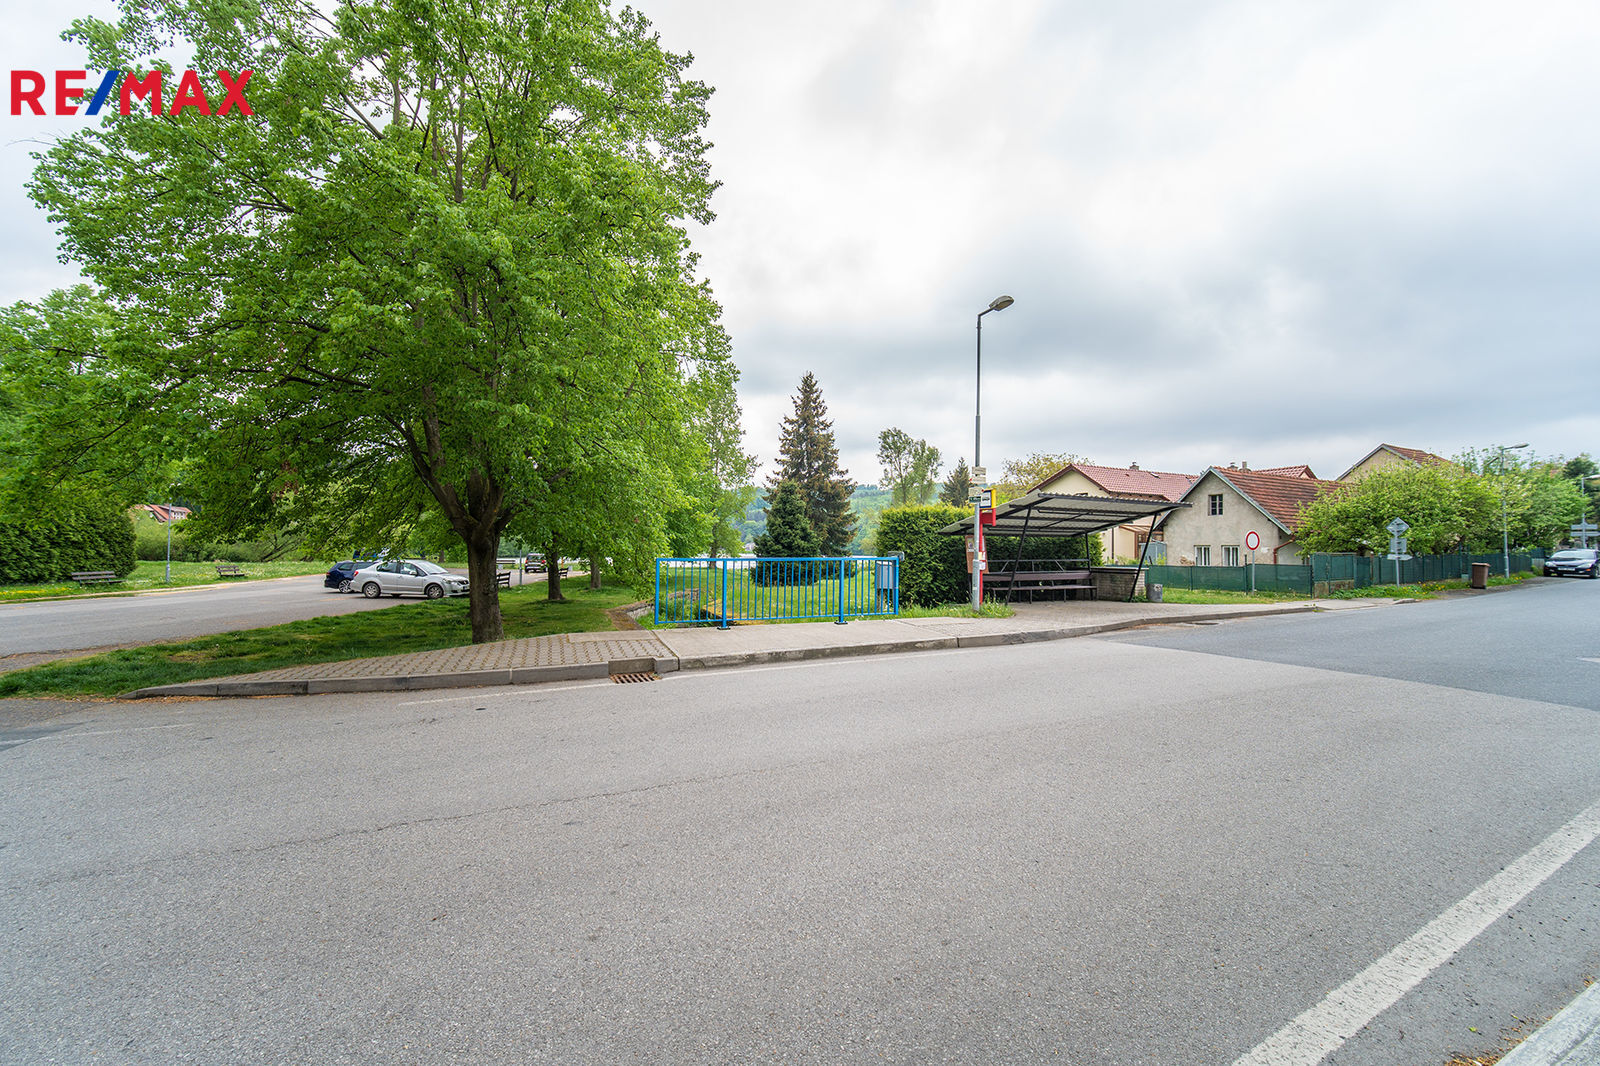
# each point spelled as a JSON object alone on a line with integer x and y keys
{"x": 442, "y": 271}
{"x": 808, "y": 457}
{"x": 1019, "y": 476}
{"x": 1445, "y": 506}
{"x": 935, "y": 567}
{"x": 63, "y": 533}
{"x": 910, "y": 467}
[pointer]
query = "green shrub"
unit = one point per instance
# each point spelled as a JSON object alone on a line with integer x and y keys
{"x": 84, "y": 531}
{"x": 935, "y": 567}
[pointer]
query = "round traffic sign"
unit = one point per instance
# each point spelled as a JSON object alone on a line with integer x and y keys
{"x": 1252, "y": 540}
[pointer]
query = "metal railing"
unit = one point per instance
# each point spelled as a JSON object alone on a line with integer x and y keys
{"x": 759, "y": 589}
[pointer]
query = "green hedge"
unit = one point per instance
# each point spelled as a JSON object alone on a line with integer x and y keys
{"x": 935, "y": 567}
{"x": 84, "y": 533}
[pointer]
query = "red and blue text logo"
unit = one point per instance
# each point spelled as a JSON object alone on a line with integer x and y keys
{"x": 32, "y": 90}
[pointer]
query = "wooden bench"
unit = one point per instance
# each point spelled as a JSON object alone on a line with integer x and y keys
{"x": 1063, "y": 581}
{"x": 503, "y": 579}
{"x": 230, "y": 570}
{"x": 95, "y": 577}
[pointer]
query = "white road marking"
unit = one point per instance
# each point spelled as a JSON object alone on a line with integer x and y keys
{"x": 1344, "y": 1011}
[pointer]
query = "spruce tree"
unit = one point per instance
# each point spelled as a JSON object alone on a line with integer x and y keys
{"x": 955, "y": 488}
{"x": 807, "y": 456}
{"x": 788, "y": 536}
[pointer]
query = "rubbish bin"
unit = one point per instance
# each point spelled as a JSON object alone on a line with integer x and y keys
{"x": 1480, "y": 575}
{"x": 1153, "y": 593}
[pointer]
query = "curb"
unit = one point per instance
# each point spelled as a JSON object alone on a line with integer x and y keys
{"x": 1571, "y": 1038}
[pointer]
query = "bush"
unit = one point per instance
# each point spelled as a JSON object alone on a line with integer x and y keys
{"x": 935, "y": 567}
{"x": 84, "y": 532}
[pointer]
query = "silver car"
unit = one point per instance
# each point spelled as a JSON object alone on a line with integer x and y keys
{"x": 408, "y": 577}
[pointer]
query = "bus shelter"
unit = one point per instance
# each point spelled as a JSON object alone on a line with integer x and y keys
{"x": 1054, "y": 515}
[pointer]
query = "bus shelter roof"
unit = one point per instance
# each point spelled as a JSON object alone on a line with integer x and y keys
{"x": 1053, "y": 514}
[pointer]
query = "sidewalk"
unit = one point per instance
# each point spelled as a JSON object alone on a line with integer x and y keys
{"x": 574, "y": 656}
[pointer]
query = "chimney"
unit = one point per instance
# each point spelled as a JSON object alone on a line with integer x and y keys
{"x": 1133, "y": 466}
{"x": 1244, "y": 465}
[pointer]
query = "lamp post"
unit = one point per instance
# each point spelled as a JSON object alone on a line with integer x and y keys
{"x": 1505, "y": 527}
{"x": 999, "y": 303}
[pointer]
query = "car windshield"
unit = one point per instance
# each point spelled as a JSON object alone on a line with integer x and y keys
{"x": 1575, "y": 553}
{"x": 430, "y": 568}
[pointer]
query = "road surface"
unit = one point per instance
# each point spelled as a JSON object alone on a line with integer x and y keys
{"x": 1102, "y": 851}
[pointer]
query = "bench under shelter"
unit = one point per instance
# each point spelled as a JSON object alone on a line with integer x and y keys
{"x": 1057, "y": 515}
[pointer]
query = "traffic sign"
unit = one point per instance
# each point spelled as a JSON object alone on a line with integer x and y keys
{"x": 1397, "y": 527}
{"x": 1252, "y": 540}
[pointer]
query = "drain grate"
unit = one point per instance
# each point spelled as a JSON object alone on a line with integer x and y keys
{"x": 628, "y": 679}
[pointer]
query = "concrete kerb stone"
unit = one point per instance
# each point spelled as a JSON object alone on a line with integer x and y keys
{"x": 455, "y": 679}
{"x": 533, "y": 675}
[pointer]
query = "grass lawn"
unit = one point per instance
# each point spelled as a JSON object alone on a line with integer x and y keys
{"x": 1172, "y": 595}
{"x": 148, "y": 575}
{"x": 393, "y": 631}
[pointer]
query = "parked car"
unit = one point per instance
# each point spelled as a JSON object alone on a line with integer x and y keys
{"x": 339, "y": 576}
{"x": 408, "y": 577}
{"x": 1579, "y": 562}
{"x": 533, "y": 564}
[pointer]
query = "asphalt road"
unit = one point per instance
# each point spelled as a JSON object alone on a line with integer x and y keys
{"x": 178, "y": 614}
{"x": 1094, "y": 851}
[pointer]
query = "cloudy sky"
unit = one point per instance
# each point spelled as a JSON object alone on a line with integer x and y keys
{"x": 1262, "y": 231}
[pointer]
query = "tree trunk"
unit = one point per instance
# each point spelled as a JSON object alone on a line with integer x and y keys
{"x": 484, "y": 604}
{"x": 594, "y": 574}
{"x": 552, "y": 571}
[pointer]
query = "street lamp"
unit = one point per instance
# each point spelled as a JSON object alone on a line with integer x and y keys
{"x": 1505, "y": 528}
{"x": 999, "y": 303}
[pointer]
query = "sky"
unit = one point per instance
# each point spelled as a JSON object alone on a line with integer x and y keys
{"x": 1263, "y": 232}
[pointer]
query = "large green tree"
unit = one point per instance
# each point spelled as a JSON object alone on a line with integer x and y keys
{"x": 445, "y": 260}
{"x": 808, "y": 457}
{"x": 1447, "y": 507}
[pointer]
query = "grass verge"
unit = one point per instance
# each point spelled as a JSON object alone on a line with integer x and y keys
{"x": 1172, "y": 595}
{"x": 1426, "y": 590}
{"x": 407, "y": 627}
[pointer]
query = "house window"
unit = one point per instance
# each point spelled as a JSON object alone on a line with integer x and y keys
{"x": 1214, "y": 503}
{"x": 1202, "y": 555}
{"x": 1230, "y": 555}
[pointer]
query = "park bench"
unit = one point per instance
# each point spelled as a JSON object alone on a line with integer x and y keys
{"x": 230, "y": 570}
{"x": 1031, "y": 582}
{"x": 503, "y": 579}
{"x": 95, "y": 577}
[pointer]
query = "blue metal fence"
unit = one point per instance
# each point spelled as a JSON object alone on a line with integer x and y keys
{"x": 728, "y": 590}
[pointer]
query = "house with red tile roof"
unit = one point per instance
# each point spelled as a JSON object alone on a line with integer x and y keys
{"x": 1123, "y": 482}
{"x": 1227, "y": 503}
{"x": 163, "y": 512}
{"x": 1386, "y": 456}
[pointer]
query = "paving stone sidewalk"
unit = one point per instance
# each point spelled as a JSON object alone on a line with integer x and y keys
{"x": 573, "y": 656}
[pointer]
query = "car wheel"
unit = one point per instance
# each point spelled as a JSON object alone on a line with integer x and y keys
{"x": 434, "y": 592}
{"x": 347, "y": 586}
{"x": 371, "y": 590}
